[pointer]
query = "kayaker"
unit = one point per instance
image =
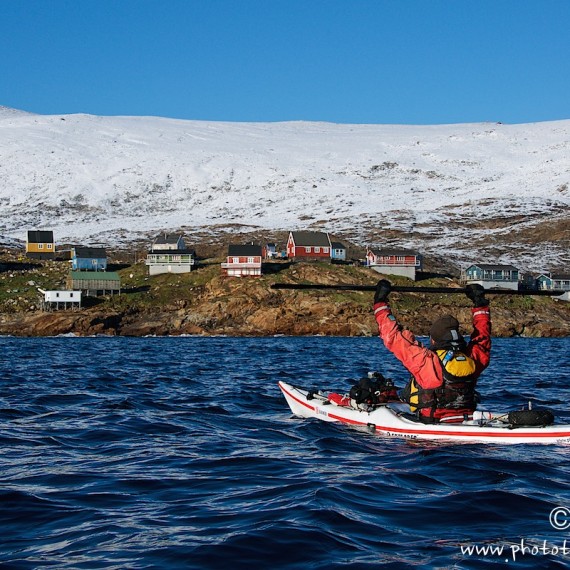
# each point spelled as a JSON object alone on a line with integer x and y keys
{"x": 444, "y": 376}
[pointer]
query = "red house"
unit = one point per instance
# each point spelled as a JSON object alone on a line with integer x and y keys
{"x": 309, "y": 245}
{"x": 402, "y": 262}
{"x": 243, "y": 260}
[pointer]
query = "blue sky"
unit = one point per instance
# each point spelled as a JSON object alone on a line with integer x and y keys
{"x": 345, "y": 61}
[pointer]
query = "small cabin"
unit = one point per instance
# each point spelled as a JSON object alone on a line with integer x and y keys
{"x": 309, "y": 245}
{"x": 338, "y": 251}
{"x": 57, "y": 300}
{"x": 243, "y": 260}
{"x": 270, "y": 251}
{"x": 40, "y": 245}
{"x": 88, "y": 259}
{"x": 492, "y": 276}
{"x": 394, "y": 261}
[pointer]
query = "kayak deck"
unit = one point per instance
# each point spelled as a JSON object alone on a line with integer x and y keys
{"x": 394, "y": 420}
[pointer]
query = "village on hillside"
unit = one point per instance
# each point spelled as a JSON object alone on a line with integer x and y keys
{"x": 88, "y": 274}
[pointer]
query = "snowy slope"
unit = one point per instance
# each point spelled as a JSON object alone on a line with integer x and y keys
{"x": 107, "y": 179}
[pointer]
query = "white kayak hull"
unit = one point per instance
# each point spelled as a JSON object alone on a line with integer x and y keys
{"x": 390, "y": 420}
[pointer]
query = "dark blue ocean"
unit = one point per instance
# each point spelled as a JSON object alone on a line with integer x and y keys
{"x": 181, "y": 453}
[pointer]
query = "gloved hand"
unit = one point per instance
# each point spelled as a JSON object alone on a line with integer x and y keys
{"x": 383, "y": 288}
{"x": 476, "y": 293}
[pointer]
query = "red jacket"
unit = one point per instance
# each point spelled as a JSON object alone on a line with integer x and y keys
{"x": 424, "y": 364}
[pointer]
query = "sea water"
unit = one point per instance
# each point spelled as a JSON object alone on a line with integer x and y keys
{"x": 182, "y": 453}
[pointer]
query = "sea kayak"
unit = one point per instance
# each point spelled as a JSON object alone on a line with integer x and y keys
{"x": 395, "y": 420}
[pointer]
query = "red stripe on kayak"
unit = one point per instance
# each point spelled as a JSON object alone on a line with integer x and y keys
{"x": 298, "y": 400}
{"x": 504, "y": 432}
{"x": 501, "y": 432}
{"x": 313, "y": 409}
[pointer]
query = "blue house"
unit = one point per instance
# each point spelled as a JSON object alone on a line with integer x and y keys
{"x": 550, "y": 281}
{"x": 270, "y": 251}
{"x": 88, "y": 259}
{"x": 492, "y": 276}
{"x": 338, "y": 251}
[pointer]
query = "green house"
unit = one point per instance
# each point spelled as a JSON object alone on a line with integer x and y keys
{"x": 94, "y": 283}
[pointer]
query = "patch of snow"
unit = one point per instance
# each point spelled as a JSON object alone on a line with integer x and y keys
{"x": 91, "y": 178}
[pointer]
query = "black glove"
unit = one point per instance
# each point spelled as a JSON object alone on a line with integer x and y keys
{"x": 476, "y": 293}
{"x": 383, "y": 288}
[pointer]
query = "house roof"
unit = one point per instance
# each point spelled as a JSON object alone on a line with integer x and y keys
{"x": 172, "y": 252}
{"x": 249, "y": 249}
{"x": 167, "y": 239}
{"x": 95, "y": 275}
{"x": 559, "y": 276}
{"x": 40, "y": 236}
{"x": 491, "y": 267}
{"x": 337, "y": 245}
{"x": 390, "y": 251}
{"x": 317, "y": 239}
{"x": 90, "y": 252}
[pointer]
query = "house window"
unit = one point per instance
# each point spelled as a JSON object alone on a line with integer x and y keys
{"x": 71, "y": 295}
{"x": 40, "y": 245}
{"x": 325, "y": 249}
{"x": 57, "y": 294}
{"x": 307, "y": 250}
{"x": 250, "y": 260}
{"x": 235, "y": 259}
{"x": 49, "y": 245}
{"x": 317, "y": 250}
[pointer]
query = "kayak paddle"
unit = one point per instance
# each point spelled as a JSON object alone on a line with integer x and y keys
{"x": 410, "y": 289}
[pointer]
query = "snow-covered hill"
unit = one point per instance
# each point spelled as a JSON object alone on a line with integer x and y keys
{"x": 476, "y": 192}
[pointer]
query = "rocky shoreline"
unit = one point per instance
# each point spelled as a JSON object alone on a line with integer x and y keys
{"x": 204, "y": 302}
{"x": 253, "y": 310}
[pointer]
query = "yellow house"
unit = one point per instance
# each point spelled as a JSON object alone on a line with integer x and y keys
{"x": 40, "y": 245}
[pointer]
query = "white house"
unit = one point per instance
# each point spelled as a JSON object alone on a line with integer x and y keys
{"x": 55, "y": 300}
{"x": 168, "y": 254}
